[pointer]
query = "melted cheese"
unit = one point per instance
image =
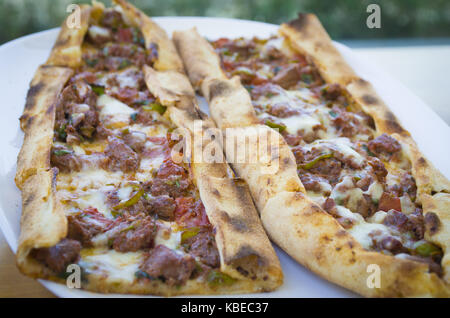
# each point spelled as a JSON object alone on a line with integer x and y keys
{"x": 375, "y": 191}
{"x": 92, "y": 178}
{"x": 303, "y": 94}
{"x": 345, "y": 190}
{"x": 362, "y": 230}
{"x": 114, "y": 113}
{"x": 377, "y": 217}
{"x": 124, "y": 193}
{"x": 95, "y": 31}
{"x": 151, "y": 164}
{"x": 156, "y": 130}
{"x": 127, "y": 78}
{"x": 346, "y": 213}
{"x": 344, "y": 146}
{"x": 115, "y": 266}
{"x": 95, "y": 199}
{"x": 304, "y": 123}
{"x": 78, "y": 150}
{"x": 408, "y": 206}
{"x": 168, "y": 237}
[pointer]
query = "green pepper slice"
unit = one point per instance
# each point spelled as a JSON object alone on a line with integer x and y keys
{"x": 132, "y": 200}
{"x": 98, "y": 89}
{"x": 425, "y": 249}
{"x": 274, "y": 125}
{"x": 216, "y": 278}
{"x": 124, "y": 63}
{"x": 62, "y": 131}
{"x": 62, "y": 152}
{"x": 155, "y": 107}
{"x": 312, "y": 163}
{"x": 188, "y": 233}
{"x": 243, "y": 71}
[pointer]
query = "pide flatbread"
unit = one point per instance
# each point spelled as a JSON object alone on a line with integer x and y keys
{"x": 353, "y": 196}
{"x": 106, "y": 187}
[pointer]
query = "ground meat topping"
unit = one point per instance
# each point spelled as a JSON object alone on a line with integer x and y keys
{"x": 288, "y": 76}
{"x": 384, "y": 144}
{"x": 135, "y": 140}
{"x": 121, "y": 156}
{"x": 58, "y": 257}
{"x": 378, "y": 168}
{"x": 64, "y": 159}
{"x": 203, "y": 246}
{"x": 171, "y": 179}
{"x": 84, "y": 226}
{"x": 391, "y": 244}
{"x": 406, "y": 223}
{"x": 164, "y": 206}
{"x": 331, "y": 92}
{"x": 164, "y": 263}
{"x": 135, "y": 235}
{"x": 389, "y": 202}
{"x": 76, "y": 112}
{"x": 282, "y": 111}
{"x": 313, "y": 182}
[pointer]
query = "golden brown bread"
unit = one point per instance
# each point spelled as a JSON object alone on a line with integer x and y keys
{"x": 292, "y": 220}
{"x": 246, "y": 254}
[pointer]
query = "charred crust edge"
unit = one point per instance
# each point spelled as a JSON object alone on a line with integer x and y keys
{"x": 218, "y": 88}
{"x": 31, "y": 95}
{"x": 432, "y": 223}
{"x": 392, "y": 123}
{"x": 301, "y": 21}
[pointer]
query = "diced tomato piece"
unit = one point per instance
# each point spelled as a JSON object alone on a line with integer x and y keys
{"x": 389, "y": 202}
{"x": 127, "y": 95}
{"x": 125, "y": 35}
{"x": 190, "y": 212}
{"x": 93, "y": 213}
{"x": 221, "y": 42}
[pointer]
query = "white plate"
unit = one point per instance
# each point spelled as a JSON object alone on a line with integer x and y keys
{"x": 20, "y": 58}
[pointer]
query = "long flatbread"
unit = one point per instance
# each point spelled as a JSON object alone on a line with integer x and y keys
{"x": 100, "y": 187}
{"x": 293, "y": 218}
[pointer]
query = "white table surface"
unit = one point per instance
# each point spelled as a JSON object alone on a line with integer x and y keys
{"x": 425, "y": 70}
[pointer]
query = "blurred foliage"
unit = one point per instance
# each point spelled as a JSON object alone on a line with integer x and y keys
{"x": 342, "y": 18}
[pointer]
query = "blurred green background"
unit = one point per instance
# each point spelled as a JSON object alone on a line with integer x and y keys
{"x": 344, "y": 19}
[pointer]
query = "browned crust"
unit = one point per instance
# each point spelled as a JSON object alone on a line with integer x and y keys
{"x": 245, "y": 251}
{"x": 168, "y": 58}
{"x": 198, "y": 56}
{"x": 316, "y": 240}
{"x": 428, "y": 179}
{"x": 363, "y": 93}
{"x": 169, "y": 85}
{"x": 221, "y": 93}
{"x": 266, "y": 173}
{"x": 302, "y": 228}
{"x": 307, "y": 35}
{"x": 38, "y": 119}
{"x": 67, "y": 48}
{"x": 192, "y": 287}
{"x": 43, "y": 222}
